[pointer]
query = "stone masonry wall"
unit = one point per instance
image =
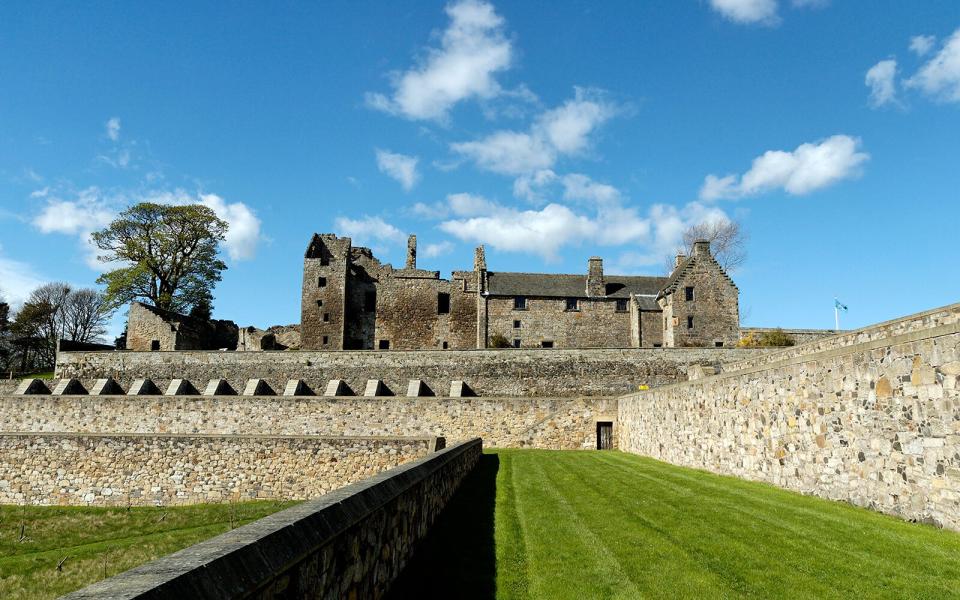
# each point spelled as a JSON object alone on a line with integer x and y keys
{"x": 875, "y": 423}
{"x": 508, "y": 372}
{"x": 351, "y": 543}
{"x": 560, "y": 423}
{"x": 597, "y": 323}
{"x": 124, "y": 469}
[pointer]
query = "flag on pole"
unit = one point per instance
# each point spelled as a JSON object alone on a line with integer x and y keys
{"x": 839, "y": 306}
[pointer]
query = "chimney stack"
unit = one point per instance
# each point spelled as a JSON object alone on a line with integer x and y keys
{"x": 679, "y": 259}
{"x": 412, "y": 252}
{"x": 596, "y": 286}
{"x": 479, "y": 259}
{"x": 701, "y": 248}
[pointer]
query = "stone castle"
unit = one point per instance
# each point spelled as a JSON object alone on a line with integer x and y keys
{"x": 352, "y": 301}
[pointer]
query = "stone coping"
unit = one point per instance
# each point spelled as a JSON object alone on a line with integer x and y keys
{"x": 241, "y": 561}
{"x": 424, "y": 351}
{"x": 233, "y": 398}
{"x": 224, "y": 436}
{"x": 894, "y": 340}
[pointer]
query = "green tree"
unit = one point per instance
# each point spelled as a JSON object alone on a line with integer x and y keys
{"x": 167, "y": 255}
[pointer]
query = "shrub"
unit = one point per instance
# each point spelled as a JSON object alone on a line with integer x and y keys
{"x": 767, "y": 339}
{"x": 498, "y": 340}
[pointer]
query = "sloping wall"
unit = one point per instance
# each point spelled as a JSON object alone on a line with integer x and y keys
{"x": 869, "y": 417}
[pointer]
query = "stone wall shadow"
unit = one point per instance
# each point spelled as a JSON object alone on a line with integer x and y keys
{"x": 457, "y": 559}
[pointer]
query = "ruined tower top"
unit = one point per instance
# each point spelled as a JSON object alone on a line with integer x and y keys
{"x": 479, "y": 259}
{"x": 412, "y": 252}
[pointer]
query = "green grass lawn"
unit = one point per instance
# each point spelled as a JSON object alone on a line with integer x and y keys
{"x": 89, "y": 544}
{"x": 587, "y": 524}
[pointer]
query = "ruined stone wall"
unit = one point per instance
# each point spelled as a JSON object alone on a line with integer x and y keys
{"x": 462, "y": 333}
{"x": 651, "y": 329}
{"x": 144, "y": 469}
{"x": 507, "y": 372}
{"x": 873, "y": 421}
{"x": 597, "y": 323}
{"x": 351, "y": 543}
{"x": 799, "y": 336}
{"x": 173, "y": 331}
{"x": 144, "y": 326}
{"x": 322, "y": 302}
{"x": 561, "y": 423}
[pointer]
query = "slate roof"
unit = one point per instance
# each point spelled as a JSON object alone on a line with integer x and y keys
{"x": 570, "y": 286}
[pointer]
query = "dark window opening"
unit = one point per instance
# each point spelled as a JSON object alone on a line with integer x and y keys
{"x": 604, "y": 435}
{"x": 689, "y": 322}
{"x": 688, "y": 293}
{"x": 516, "y": 343}
{"x": 621, "y": 305}
{"x": 718, "y": 344}
{"x": 321, "y": 282}
{"x": 324, "y": 259}
{"x": 443, "y": 303}
{"x": 154, "y": 345}
{"x": 370, "y": 301}
{"x": 658, "y": 345}
{"x": 325, "y": 340}
{"x": 516, "y": 324}
{"x": 445, "y": 346}
{"x": 326, "y": 317}
{"x": 520, "y": 303}
{"x": 319, "y": 302}
{"x": 384, "y": 344}
{"x": 573, "y": 304}
{"x": 546, "y": 344}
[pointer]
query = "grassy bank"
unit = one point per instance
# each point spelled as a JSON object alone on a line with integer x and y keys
{"x": 46, "y": 551}
{"x": 550, "y": 524}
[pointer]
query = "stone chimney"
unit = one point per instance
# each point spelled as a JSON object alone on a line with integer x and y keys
{"x": 596, "y": 286}
{"x": 679, "y": 259}
{"x": 412, "y": 252}
{"x": 701, "y": 248}
{"x": 479, "y": 259}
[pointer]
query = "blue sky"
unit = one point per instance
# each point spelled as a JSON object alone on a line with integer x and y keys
{"x": 549, "y": 131}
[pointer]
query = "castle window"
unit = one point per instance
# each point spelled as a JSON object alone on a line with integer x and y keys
{"x": 546, "y": 344}
{"x": 326, "y": 317}
{"x": 443, "y": 303}
{"x": 520, "y": 303}
{"x": 384, "y": 345}
{"x": 324, "y": 259}
{"x": 688, "y": 293}
{"x": 370, "y": 301}
{"x": 658, "y": 345}
{"x": 718, "y": 344}
{"x": 621, "y": 305}
{"x": 445, "y": 345}
{"x": 573, "y": 304}
{"x": 689, "y": 322}
{"x": 516, "y": 324}
{"x": 319, "y": 302}
{"x": 321, "y": 282}
{"x": 325, "y": 340}
{"x": 516, "y": 343}
{"x": 154, "y": 345}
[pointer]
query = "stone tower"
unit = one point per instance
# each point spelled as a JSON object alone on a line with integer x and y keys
{"x": 326, "y": 264}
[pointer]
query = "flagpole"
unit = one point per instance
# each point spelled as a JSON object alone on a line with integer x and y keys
{"x": 836, "y": 315}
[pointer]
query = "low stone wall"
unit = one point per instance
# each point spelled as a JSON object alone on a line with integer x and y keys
{"x": 510, "y": 372}
{"x": 799, "y": 336}
{"x": 875, "y": 423}
{"x": 568, "y": 423}
{"x": 117, "y": 469}
{"x": 351, "y": 543}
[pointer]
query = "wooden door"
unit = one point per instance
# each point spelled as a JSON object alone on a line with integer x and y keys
{"x": 604, "y": 435}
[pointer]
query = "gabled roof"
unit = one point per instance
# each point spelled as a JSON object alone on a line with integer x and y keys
{"x": 683, "y": 268}
{"x": 569, "y": 286}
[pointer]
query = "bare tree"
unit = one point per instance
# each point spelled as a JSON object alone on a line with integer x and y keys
{"x": 727, "y": 243}
{"x": 85, "y": 316}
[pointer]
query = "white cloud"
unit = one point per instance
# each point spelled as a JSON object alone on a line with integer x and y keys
{"x": 243, "y": 235}
{"x": 370, "y": 230}
{"x": 18, "y": 279}
{"x": 113, "y": 128}
{"x": 580, "y": 187}
{"x": 940, "y": 76}
{"x": 401, "y": 167}
{"x": 530, "y": 187}
{"x": 748, "y": 11}
{"x": 565, "y": 130}
{"x": 809, "y": 167}
{"x": 881, "y": 79}
{"x": 91, "y": 209}
{"x": 438, "y": 249}
{"x": 922, "y": 44}
{"x": 459, "y": 205}
{"x": 472, "y": 50}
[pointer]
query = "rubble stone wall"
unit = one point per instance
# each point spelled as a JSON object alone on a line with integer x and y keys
{"x": 872, "y": 418}
{"x": 510, "y": 372}
{"x": 167, "y": 469}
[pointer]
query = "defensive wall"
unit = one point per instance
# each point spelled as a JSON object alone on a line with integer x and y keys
{"x": 799, "y": 336}
{"x": 351, "y": 543}
{"x": 164, "y": 469}
{"x": 508, "y": 372}
{"x": 871, "y": 417}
